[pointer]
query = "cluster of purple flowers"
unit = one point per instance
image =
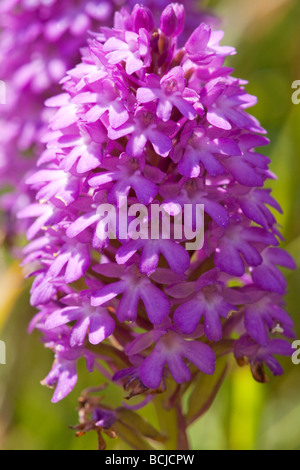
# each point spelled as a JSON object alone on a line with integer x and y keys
{"x": 39, "y": 42}
{"x": 144, "y": 118}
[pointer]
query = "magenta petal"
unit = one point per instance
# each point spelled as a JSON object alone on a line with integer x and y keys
{"x": 281, "y": 258}
{"x": 149, "y": 258}
{"x": 198, "y": 41}
{"x": 179, "y": 370}
{"x": 250, "y": 254}
{"x": 77, "y": 265}
{"x": 156, "y": 303}
{"x": 145, "y": 95}
{"x": 181, "y": 290}
{"x": 145, "y": 189}
{"x": 109, "y": 270}
{"x": 66, "y": 382}
{"x": 201, "y": 355}
{"x": 143, "y": 341}
{"x": 136, "y": 145}
{"x": 79, "y": 331}
{"x": 127, "y": 309}
{"x": 212, "y": 324}
{"x": 281, "y": 347}
{"x": 269, "y": 279}
{"x": 243, "y": 172}
{"x": 188, "y": 315}
{"x": 151, "y": 370}
{"x": 162, "y": 144}
{"x": 186, "y": 108}
{"x": 217, "y": 118}
{"x": 58, "y": 264}
{"x": 126, "y": 251}
{"x": 176, "y": 255}
{"x": 63, "y": 316}
{"x": 228, "y": 259}
{"x": 217, "y": 212}
{"x": 256, "y": 327}
{"x": 118, "y": 115}
{"x": 82, "y": 223}
{"x": 101, "y": 327}
{"x": 189, "y": 164}
{"x": 274, "y": 366}
{"x": 108, "y": 292}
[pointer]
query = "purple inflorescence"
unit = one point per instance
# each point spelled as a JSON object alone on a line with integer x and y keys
{"x": 145, "y": 120}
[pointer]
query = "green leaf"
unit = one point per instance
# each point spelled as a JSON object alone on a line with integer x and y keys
{"x": 131, "y": 437}
{"x": 167, "y": 418}
{"x": 205, "y": 391}
{"x": 134, "y": 420}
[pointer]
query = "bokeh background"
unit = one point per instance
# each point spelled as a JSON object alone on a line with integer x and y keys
{"x": 245, "y": 414}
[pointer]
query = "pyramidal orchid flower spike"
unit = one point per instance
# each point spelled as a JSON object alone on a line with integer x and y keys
{"x": 149, "y": 119}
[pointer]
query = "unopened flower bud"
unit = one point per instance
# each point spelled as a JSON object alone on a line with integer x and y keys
{"x": 142, "y": 18}
{"x": 172, "y": 20}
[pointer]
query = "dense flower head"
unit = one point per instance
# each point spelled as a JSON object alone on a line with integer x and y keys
{"x": 144, "y": 120}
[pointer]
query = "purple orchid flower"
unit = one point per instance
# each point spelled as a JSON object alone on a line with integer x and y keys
{"x": 133, "y": 287}
{"x": 171, "y": 350}
{"x": 142, "y": 128}
{"x": 96, "y": 321}
{"x": 131, "y": 47}
{"x": 258, "y": 355}
{"x": 209, "y": 300}
{"x": 169, "y": 91}
{"x": 63, "y": 374}
{"x": 198, "y": 148}
{"x": 148, "y": 118}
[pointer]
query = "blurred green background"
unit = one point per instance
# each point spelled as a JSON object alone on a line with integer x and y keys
{"x": 245, "y": 415}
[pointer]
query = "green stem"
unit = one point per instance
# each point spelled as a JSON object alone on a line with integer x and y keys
{"x": 182, "y": 438}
